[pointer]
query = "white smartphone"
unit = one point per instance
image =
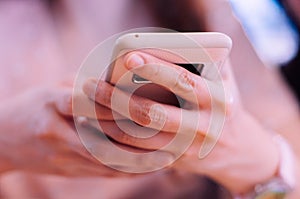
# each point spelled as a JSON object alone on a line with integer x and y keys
{"x": 199, "y": 52}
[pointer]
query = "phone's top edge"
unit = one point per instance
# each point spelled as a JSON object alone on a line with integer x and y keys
{"x": 207, "y": 39}
{"x": 174, "y": 34}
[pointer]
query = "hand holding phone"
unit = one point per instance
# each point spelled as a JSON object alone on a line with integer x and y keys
{"x": 201, "y": 53}
{"x": 165, "y": 97}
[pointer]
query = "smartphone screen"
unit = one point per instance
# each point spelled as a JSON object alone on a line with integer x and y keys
{"x": 193, "y": 68}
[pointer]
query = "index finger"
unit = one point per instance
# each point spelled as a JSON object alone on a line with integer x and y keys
{"x": 183, "y": 83}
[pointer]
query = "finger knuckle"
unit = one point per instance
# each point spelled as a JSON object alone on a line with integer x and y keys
{"x": 184, "y": 82}
{"x": 140, "y": 113}
{"x": 152, "y": 70}
{"x": 157, "y": 115}
{"x": 148, "y": 114}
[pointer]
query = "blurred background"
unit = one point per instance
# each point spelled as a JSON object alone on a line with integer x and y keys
{"x": 271, "y": 31}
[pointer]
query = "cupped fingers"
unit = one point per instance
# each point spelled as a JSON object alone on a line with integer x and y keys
{"x": 140, "y": 110}
{"x": 83, "y": 106}
{"x": 128, "y": 133}
{"x": 146, "y": 112}
{"x": 70, "y": 105}
{"x": 122, "y": 152}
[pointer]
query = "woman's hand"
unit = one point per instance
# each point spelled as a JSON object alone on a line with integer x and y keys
{"x": 38, "y": 135}
{"x": 244, "y": 154}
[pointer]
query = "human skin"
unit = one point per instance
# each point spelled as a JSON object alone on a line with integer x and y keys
{"x": 37, "y": 67}
{"x": 234, "y": 154}
{"x": 263, "y": 91}
{"x": 242, "y": 79}
{"x": 43, "y": 146}
{"x": 34, "y": 92}
{"x": 39, "y": 48}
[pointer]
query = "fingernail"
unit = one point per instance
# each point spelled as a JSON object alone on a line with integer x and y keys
{"x": 134, "y": 60}
{"x": 90, "y": 87}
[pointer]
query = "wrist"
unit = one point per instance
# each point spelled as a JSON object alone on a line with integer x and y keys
{"x": 256, "y": 157}
{"x": 282, "y": 182}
